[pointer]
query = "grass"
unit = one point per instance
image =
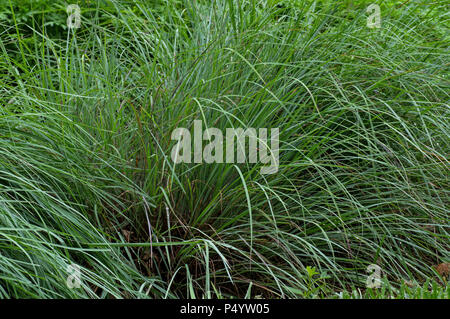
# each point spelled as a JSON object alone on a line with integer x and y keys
{"x": 86, "y": 176}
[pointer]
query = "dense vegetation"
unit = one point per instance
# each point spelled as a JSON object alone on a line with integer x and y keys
{"x": 86, "y": 176}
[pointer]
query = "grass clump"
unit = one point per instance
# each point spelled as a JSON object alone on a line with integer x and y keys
{"x": 86, "y": 175}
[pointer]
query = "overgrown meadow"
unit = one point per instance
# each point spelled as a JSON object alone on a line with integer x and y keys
{"x": 90, "y": 195}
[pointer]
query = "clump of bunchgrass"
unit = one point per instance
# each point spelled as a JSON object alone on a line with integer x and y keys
{"x": 87, "y": 176}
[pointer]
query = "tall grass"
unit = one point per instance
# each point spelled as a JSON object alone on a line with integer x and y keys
{"x": 85, "y": 139}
